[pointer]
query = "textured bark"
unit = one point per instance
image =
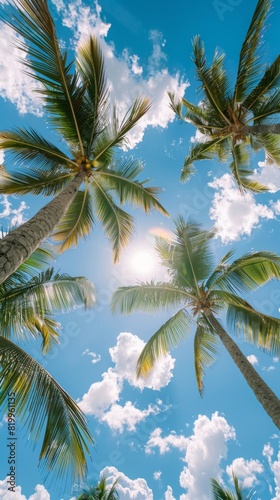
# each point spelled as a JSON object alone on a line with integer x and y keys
{"x": 18, "y": 245}
{"x": 262, "y": 391}
{"x": 273, "y": 128}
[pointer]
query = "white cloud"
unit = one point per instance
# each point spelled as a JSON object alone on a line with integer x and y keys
{"x": 95, "y": 357}
{"x": 164, "y": 444}
{"x": 157, "y": 475}
{"x": 129, "y": 489}
{"x": 40, "y": 492}
{"x": 245, "y": 470}
{"x": 206, "y": 447}
{"x": 102, "y": 397}
{"x": 125, "y": 72}
{"x": 125, "y": 355}
{"x": 268, "y": 452}
{"x": 127, "y": 417}
{"x": 15, "y": 85}
{"x": 253, "y": 359}
{"x": 168, "y": 495}
{"x": 16, "y": 214}
{"x": 203, "y": 450}
{"x": 235, "y": 214}
{"x": 268, "y": 175}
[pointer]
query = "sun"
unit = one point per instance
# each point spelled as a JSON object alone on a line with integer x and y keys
{"x": 143, "y": 262}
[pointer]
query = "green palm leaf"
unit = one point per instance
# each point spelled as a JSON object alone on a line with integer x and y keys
{"x": 117, "y": 224}
{"x": 28, "y": 147}
{"x": 62, "y": 94}
{"x": 169, "y": 335}
{"x": 269, "y": 81}
{"x": 121, "y": 179}
{"x": 204, "y": 151}
{"x": 249, "y": 61}
{"x": 26, "y": 304}
{"x": 76, "y": 223}
{"x": 205, "y": 349}
{"x": 213, "y": 79}
{"x": 148, "y": 297}
{"x": 264, "y": 111}
{"x": 247, "y": 273}
{"x": 33, "y": 182}
{"x": 220, "y": 493}
{"x": 241, "y": 172}
{"x": 43, "y": 406}
{"x": 271, "y": 144}
{"x": 116, "y": 131}
{"x": 90, "y": 65}
{"x": 256, "y": 328}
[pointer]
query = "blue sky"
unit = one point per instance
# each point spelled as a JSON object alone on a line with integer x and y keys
{"x": 159, "y": 437}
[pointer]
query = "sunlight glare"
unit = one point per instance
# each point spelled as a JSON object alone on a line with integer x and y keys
{"x": 143, "y": 263}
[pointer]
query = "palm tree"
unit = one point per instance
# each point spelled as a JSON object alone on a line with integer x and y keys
{"x": 196, "y": 286}
{"x": 28, "y": 300}
{"x": 234, "y": 120}
{"x": 100, "y": 492}
{"x": 89, "y": 178}
{"x": 220, "y": 493}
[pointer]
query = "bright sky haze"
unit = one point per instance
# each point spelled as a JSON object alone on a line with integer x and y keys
{"x": 157, "y": 435}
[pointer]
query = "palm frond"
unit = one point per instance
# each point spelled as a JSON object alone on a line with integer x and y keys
{"x": 241, "y": 172}
{"x": 204, "y": 151}
{"x": 62, "y": 94}
{"x": 90, "y": 66}
{"x": 33, "y": 181}
{"x": 251, "y": 271}
{"x": 77, "y": 222}
{"x": 46, "y": 409}
{"x": 256, "y": 328}
{"x": 148, "y": 297}
{"x": 249, "y": 60}
{"x": 197, "y": 115}
{"x": 263, "y": 113}
{"x": 118, "y": 224}
{"x": 25, "y": 304}
{"x": 169, "y": 335}
{"x": 191, "y": 259}
{"x": 205, "y": 349}
{"x": 115, "y": 134}
{"x": 271, "y": 144}
{"x": 213, "y": 80}
{"x": 269, "y": 81}
{"x": 28, "y": 146}
{"x": 220, "y": 493}
{"x": 121, "y": 179}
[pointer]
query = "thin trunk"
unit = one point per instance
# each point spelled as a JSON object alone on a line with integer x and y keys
{"x": 263, "y": 393}
{"x": 18, "y": 245}
{"x": 273, "y": 128}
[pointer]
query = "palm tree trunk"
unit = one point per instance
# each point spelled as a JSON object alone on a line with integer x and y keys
{"x": 18, "y": 245}
{"x": 273, "y": 128}
{"x": 263, "y": 393}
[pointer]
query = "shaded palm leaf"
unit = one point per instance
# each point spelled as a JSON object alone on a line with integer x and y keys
{"x": 205, "y": 349}
{"x": 169, "y": 335}
{"x": 62, "y": 95}
{"x": 269, "y": 81}
{"x": 241, "y": 172}
{"x": 76, "y": 223}
{"x": 249, "y": 60}
{"x": 100, "y": 492}
{"x": 213, "y": 79}
{"x": 204, "y": 151}
{"x": 90, "y": 65}
{"x": 43, "y": 406}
